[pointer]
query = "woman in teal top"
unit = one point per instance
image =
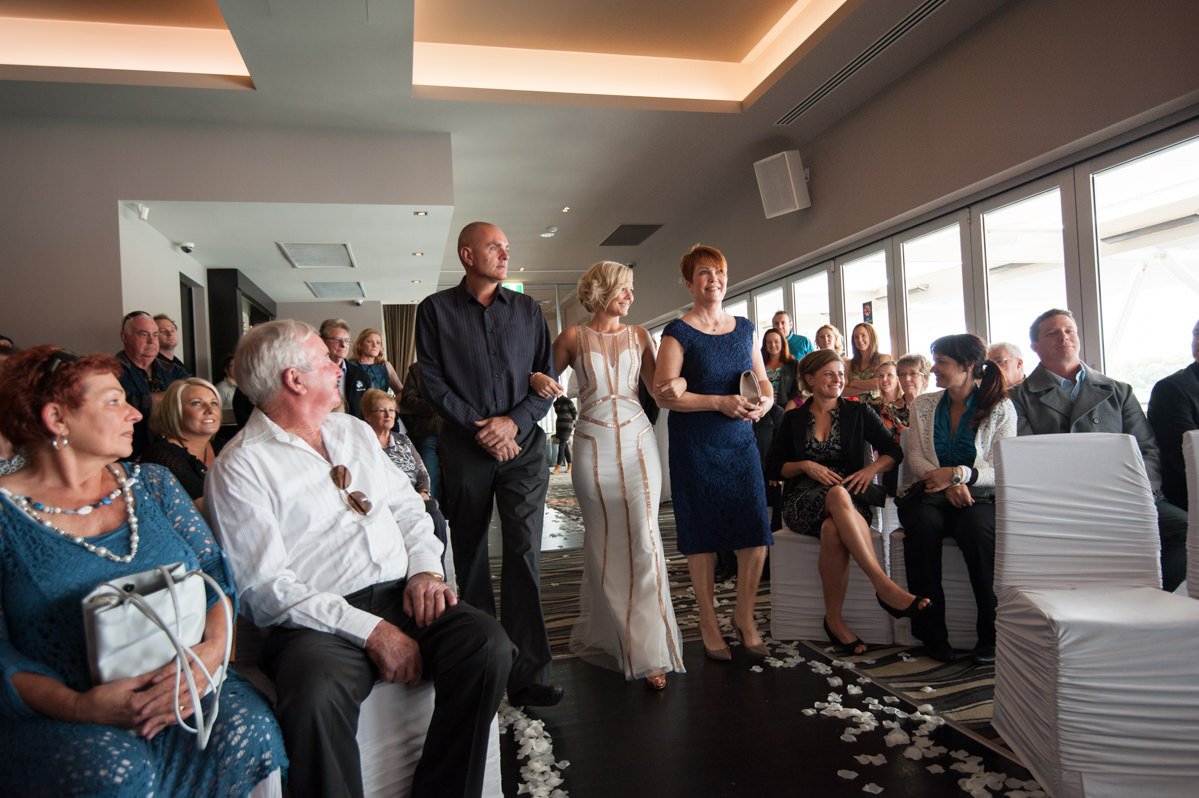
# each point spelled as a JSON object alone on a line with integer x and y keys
{"x": 368, "y": 353}
{"x": 75, "y": 517}
{"x": 950, "y": 448}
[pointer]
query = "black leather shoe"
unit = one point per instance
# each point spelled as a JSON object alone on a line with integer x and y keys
{"x": 942, "y": 652}
{"x": 984, "y": 654}
{"x": 537, "y": 695}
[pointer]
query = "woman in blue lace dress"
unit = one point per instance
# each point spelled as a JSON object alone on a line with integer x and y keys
{"x": 368, "y": 353}
{"x": 716, "y": 479}
{"x": 75, "y": 517}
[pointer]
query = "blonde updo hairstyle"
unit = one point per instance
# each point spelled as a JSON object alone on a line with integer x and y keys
{"x": 600, "y": 284}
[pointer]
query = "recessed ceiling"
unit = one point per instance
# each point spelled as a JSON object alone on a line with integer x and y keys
{"x": 181, "y": 43}
{"x": 701, "y": 55}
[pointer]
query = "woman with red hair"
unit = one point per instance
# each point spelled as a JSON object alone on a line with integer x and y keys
{"x": 71, "y": 519}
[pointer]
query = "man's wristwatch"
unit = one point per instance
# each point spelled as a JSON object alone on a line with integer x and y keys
{"x": 433, "y": 574}
{"x": 957, "y": 476}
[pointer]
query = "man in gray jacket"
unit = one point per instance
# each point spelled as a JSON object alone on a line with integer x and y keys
{"x": 1065, "y": 395}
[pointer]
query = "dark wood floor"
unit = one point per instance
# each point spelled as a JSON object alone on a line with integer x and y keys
{"x": 723, "y": 730}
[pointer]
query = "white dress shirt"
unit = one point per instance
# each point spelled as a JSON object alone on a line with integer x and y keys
{"x": 295, "y": 544}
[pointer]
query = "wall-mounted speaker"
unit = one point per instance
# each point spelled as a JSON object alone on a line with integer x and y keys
{"x": 782, "y": 184}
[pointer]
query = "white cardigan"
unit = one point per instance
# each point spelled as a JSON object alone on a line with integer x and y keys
{"x": 920, "y": 455}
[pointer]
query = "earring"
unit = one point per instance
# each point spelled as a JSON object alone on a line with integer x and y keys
{"x": 58, "y": 443}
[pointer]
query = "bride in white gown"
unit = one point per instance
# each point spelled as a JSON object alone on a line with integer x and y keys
{"x": 626, "y": 619}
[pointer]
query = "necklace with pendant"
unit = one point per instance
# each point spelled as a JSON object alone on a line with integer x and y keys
{"x": 124, "y": 486}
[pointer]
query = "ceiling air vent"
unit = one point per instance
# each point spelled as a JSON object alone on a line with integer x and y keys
{"x": 336, "y": 290}
{"x": 630, "y": 235}
{"x": 862, "y": 59}
{"x": 318, "y": 256}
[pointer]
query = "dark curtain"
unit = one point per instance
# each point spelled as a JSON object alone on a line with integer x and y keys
{"x": 399, "y": 327}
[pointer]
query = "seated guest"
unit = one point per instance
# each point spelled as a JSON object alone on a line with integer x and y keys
{"x": 423, "y": 425}
{"x": 821, "y": 451}
{"x": 1010, "y": 360}
{"x": 951, "y": 450}
{"x": 168, "y": 341}
{"x": 10, "y": 459}
{"x": 890, "y": 405}
{"x": 783, "y": 372}
{"x": 336, "y": 556}
{"x": 71, "y": 519}
{"x": 862, "y": 366}
{"x": 912, "y": 370}
{"x": 1065, "y": 395}
{"x": 1174, "y": 410}
{"x": 798, "y": 345}
{"x": 186, "y": 420}
{"x": 354, "y": 380}
{"x": 143, "y": 376}
{"x": 829, "y": 337}
{"x": 380, "y": 411}
{"x": 368, "y": 354}
{"x": 227, "y": 386}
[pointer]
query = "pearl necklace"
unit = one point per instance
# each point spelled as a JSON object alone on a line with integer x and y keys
{"x": 124, "y": 486}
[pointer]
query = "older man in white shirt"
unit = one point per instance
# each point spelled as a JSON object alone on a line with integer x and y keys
{"x": 333, "y": 551}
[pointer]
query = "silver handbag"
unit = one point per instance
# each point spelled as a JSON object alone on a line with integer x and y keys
{"x": 137, "y": 623}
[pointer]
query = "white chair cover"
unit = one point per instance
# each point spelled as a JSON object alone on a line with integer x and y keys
{"x": 961, "y": 613}
{"x": 1096, "y": 684}
{"x": 1190, "y": 453}
{"x": 797, "y": 600}
{"x": 1074, "y": 510}
{"x": 391, "y": 736}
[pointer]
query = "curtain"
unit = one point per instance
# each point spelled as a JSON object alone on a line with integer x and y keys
{"x": 399, "y": 327}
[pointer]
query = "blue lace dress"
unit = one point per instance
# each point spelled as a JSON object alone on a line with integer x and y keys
{"x": 43, "y": 578}
{"x": 716, "y": 480}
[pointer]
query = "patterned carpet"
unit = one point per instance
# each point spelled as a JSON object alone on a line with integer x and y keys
{"x": 961, "y": 691}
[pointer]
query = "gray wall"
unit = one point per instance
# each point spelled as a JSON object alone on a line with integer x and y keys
{"x": 1032, "y": 83}
{"x": 62, "y": 180}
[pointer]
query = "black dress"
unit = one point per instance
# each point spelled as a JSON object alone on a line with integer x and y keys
{"x": 854, "y": 430}
{"x": 187, "y": 469}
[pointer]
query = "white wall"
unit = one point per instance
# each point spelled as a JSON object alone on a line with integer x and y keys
{"x": 370, "y": 314}
{"x": 150, "y": 269}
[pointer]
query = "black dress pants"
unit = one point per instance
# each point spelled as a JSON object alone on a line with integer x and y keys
{"x": 1172, "y": 529}
{"x": 471, "y": 481}
{"x": 321, "y": 681}
{"x": 925, "y": 526}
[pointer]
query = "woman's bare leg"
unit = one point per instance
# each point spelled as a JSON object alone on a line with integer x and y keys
{"x": 702, "y": 568}
{"x": 749, "y": 576}
{"x": 854, "y": 534}
{"x": 833, "y": 563}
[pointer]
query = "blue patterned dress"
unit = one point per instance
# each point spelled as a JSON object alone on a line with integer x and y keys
{"x": 716, "y": 480}
{"x": 43, "y": 578}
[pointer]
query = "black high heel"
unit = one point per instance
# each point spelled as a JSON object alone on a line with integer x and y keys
{"x": 845, "y": 648}
{"x": 911, "y": 611}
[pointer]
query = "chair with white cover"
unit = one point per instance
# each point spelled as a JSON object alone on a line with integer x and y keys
{"x": 797, "y": 598}
{"x": 1190, "y": 453}
{"x": 1096, "y": 681}
{"x": 961, "y": 613}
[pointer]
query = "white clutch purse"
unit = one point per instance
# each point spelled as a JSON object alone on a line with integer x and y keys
{"x": 138, "y": 623}
{"x": 751, "y": 389}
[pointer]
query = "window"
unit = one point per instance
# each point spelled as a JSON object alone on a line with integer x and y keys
{"x": 865, "y": 283}
{"x": 932, "y": 270}
{"x": 1147, "y": 245}
{"x": 738, "y": 307}
{"x": 809, "y": 297}
{"x": 1025, "y": 266}
{"x": 766, "y": 304}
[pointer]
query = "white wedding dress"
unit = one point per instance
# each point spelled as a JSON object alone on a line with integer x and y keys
{"x": 626, "y": 620}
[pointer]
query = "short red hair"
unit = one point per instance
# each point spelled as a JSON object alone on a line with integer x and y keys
{"x": 23, "y": 395}
{"x": 701, "y": 254}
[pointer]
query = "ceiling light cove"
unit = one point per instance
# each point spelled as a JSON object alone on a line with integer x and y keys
{"x": 449, "y": 70}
